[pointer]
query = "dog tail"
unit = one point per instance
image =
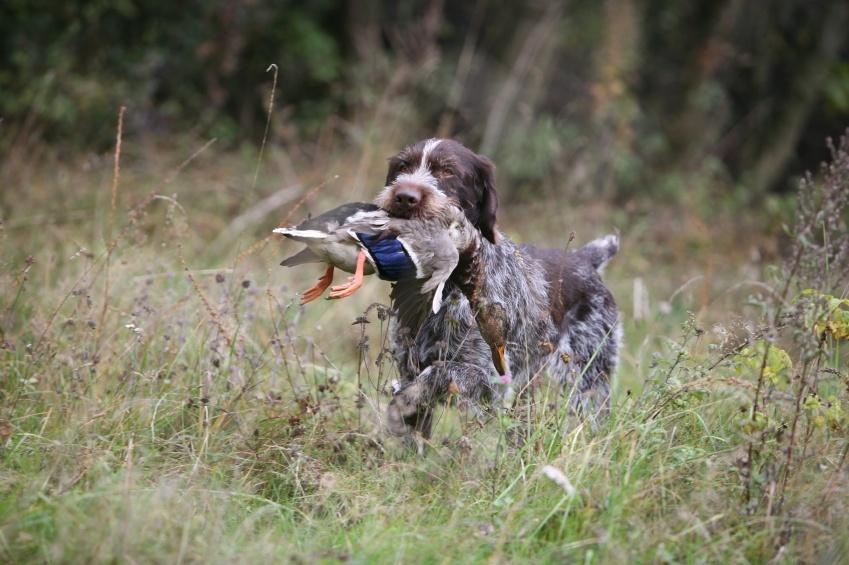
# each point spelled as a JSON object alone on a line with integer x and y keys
{"x": 599, "y": 251}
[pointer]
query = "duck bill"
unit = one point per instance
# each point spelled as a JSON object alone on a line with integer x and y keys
{"x": 499, "y": 360}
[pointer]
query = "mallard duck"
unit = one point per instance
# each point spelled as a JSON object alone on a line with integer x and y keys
{"x": 328, "y": 241}
{"x": 362, "y": 239}
{"x": 491, "y": 312}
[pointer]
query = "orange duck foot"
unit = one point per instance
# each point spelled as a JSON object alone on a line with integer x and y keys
{"x": 318, "y": 289}
{"x": 356, "y": 281}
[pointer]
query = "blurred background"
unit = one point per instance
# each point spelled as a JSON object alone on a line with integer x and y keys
{"x": 586, "y": 98}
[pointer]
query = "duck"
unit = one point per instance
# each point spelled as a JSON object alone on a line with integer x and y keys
{"x": 328, "y": 241}
{"x": 362, "y": 239}
{"x": 492, "y": 315}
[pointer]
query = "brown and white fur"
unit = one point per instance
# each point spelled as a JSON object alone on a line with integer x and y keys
{"x": 561, "y": 319}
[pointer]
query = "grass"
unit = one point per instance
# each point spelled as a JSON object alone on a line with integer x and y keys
{"x": 165, "y": 399}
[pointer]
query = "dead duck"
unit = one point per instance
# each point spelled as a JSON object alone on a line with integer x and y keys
{"x": 328, "y": 241}
{"x": 362, "y": 239}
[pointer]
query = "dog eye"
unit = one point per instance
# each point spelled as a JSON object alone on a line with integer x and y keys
{"x": 403, "y": 168}
{"x": 447, "y": 172}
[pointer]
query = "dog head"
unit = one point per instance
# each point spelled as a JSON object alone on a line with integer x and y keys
{"x": 424, "y": 174}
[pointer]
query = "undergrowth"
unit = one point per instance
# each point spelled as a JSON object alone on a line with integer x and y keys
{"x": 156, "y": 408}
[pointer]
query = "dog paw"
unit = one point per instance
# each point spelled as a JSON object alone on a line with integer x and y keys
{"x": 402, "y": 414}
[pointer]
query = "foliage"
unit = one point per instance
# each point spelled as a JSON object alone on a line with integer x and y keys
{"x": 825, "y": 315}
{"x": 611, "y": 99}
{"x": 174, "y": 65}
{"x": 764, "y": 358}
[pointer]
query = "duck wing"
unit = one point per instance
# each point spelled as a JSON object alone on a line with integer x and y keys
{"x": 387, "y": 253}
{"x": 435, "y": 255}
{"x": 409, "y": 305}
{"x": 327, "y": 235}
{"x": 439, "y": 266}
{"x": 409, "y": 249}
{"x": 306, "y": 255}
{"x": 326, "y": 225}
{"x": 437, "y": 262}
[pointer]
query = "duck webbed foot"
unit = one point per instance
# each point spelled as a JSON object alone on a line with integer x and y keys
{"x": 318, "y": 289}
{"x": 355, "y": 282}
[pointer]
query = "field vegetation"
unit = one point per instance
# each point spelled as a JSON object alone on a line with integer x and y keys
{"x": 165, "y": 399}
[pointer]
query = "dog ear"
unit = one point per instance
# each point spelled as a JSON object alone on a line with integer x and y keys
{"x": 488, "y": 206}
{"x": 392, "y": 170}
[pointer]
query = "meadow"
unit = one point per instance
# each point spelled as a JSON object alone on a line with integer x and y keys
{"x": 164, "y": 398}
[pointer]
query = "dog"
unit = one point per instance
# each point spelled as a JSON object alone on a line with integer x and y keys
{"x": 559, "y": 316}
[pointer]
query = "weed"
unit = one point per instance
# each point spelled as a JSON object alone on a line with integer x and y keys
{"x": 163, "y": 400}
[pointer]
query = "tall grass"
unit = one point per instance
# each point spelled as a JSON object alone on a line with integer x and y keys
{"x": 165, "y": 399}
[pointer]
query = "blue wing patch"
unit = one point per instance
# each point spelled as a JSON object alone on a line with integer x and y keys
{"x": 390, "y": 259}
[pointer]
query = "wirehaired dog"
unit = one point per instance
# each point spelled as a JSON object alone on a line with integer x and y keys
{"x": 550, "y": 305}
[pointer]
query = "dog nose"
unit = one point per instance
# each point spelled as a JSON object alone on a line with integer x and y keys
{"x": 407, "y": 198}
